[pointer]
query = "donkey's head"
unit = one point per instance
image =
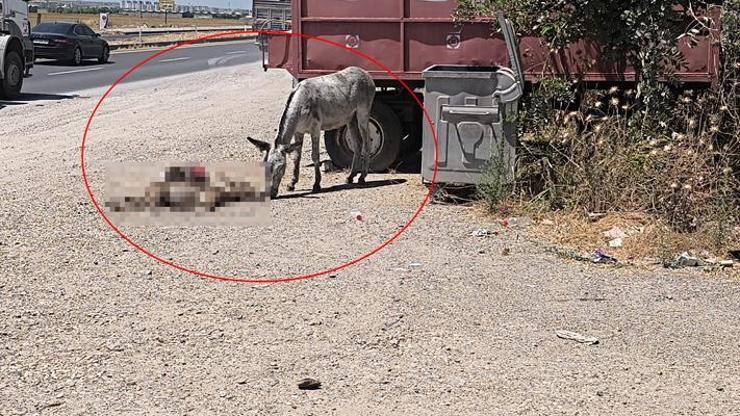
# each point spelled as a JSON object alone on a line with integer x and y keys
{"x": 275, "y": 159}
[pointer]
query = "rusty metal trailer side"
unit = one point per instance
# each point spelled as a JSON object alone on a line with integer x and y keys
{"x": 408, "y": 36}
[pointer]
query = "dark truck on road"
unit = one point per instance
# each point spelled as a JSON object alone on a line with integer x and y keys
{"x": 16, "y": 49}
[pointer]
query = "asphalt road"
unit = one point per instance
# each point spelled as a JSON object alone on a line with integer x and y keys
{"x": 56, "y": 78}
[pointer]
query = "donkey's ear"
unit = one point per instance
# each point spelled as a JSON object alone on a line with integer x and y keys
{"x": 263, "y": 146}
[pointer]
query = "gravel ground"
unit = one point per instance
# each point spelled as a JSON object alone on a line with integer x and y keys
{"x": 90, "y": 326}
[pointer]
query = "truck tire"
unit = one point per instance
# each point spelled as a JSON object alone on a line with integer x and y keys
{"x": 11, "y": 84}
{"x": 412, "y": 142}
{"x": 385, "y": 137}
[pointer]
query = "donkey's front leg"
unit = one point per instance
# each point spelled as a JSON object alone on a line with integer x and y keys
{"x": 315, "y": 137}
{"x": 298, "y": 138}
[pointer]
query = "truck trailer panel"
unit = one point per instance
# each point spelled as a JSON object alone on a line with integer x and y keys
{"x": 409, "y": 36}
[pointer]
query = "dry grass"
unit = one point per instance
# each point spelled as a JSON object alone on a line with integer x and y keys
{"x": 670, "y": 192}
{"x": 675, "y": 162}
{"x": 648, "y": 239}
{"x": 122, "y": 21}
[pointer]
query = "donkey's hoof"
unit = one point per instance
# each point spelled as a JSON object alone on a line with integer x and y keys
{"x": 291, "y": 188}
{"x": 361, "y": 181}
{"x": 316, "y": 189}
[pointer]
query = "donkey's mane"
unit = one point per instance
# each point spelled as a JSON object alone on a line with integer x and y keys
{"x": 284, "y": 117}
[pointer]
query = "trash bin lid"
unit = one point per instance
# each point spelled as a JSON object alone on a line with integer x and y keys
{"x": 460, "y": 71}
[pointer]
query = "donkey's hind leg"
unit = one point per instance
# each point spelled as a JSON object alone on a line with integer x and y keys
{"x": 298, "y": 138}
{"x": 355, "y": 142}
{"x": 315, "y": 155}
{"x": 363, "y": 122}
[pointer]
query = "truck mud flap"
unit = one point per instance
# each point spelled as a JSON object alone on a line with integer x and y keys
{"x": 275, "y": 50}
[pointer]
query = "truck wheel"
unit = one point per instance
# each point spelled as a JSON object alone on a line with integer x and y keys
{"x": 413, "y": 139}
{"x": 385, "y": 140}
{"x": 10, "y": 86}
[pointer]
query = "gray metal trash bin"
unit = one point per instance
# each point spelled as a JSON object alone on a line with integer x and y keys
{"x": 471, "y": 109}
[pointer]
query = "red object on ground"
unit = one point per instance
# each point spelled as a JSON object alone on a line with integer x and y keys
{"x": 198, "y": 172}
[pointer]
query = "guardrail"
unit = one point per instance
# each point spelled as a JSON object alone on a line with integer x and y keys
{"x": 158, "y": 30}
{"x": 144, "y": 45}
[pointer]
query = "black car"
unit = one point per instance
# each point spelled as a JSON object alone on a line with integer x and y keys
{"x": 71, "y": 42}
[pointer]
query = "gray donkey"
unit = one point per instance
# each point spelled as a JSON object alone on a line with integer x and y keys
{"x": 318, "y": 104}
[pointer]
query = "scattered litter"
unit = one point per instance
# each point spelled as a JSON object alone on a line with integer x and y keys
{"x": 393, "y": 322}
{"x": 513, "y": 222}
{"x": 713, "y": 263}
{"x": 504, "y": 223}
{"x": 481, "y": 232}
{"x": 595, "y": 216}
{"x": 574, "y": 336}
{"x": 602, "y": 258}
{"x": 309, "y": 384}
{"x": 615, "y": 233}
{"x": 616, "y": 243}
{"x": 685, "y": 260}
{"x": 415, "y": 265}
{"x": 506, "y": 251}
{"x": 357, "y": 215}
{"x": 547, "y": 222}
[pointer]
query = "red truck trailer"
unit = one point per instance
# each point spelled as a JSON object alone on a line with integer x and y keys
{"x": 409, "y": 36}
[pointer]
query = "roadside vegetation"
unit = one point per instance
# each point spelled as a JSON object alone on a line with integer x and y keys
{"x": 654, "y": 156}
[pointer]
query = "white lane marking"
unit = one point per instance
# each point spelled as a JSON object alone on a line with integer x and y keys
{"x": 220, "y": 60}
{"x": 236, "y": 52}
{"x": 76, "y": 71}
{"x": 184, "y": 58}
